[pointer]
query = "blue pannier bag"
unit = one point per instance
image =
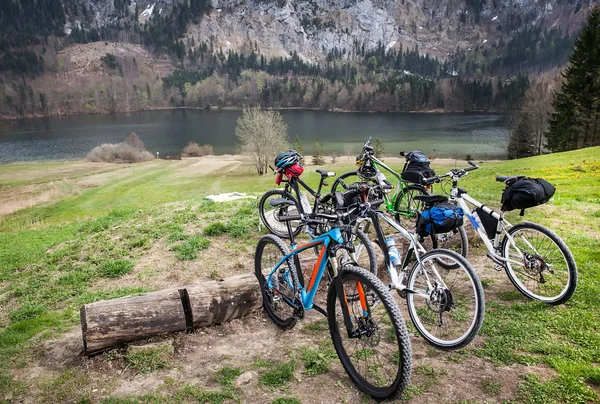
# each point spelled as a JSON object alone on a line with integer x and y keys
{"x": 440, "y": 218}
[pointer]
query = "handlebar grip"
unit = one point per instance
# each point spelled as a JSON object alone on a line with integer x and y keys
{"x": 403, "y": 154}
{"x": 289, "y": 218}
{"x": 472, "y": 164}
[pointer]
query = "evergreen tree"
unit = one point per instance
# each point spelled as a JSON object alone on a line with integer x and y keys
{"x": 298, "y": 145}
{"x": 576, "y": 120}
{"x": 378, "y": 147}
{"x": 318, "y": 158}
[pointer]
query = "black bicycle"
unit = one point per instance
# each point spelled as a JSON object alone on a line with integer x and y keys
{"x": 271, "y": 211}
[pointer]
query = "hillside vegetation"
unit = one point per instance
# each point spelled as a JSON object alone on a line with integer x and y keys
{"x": 123, "y": 230}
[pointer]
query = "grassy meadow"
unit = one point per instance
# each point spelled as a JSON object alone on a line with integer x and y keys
{"x": 117, "y": 230}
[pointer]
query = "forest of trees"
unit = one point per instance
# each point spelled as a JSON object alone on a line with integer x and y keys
{"x": 575, "y": 122}
{"x": 566, "y": 118}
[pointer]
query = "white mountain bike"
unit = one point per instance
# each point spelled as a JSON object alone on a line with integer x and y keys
{"x": 536, "y": 260}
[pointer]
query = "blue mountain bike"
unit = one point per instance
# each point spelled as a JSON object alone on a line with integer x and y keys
{"x": 365, "y": 323}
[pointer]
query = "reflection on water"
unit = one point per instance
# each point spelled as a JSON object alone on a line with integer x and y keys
{"x": 167, "y": 132}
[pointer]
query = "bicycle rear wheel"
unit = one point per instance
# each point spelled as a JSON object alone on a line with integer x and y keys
{"x": 446, "y": 305}
{"x": 377, "y": 356}
{"x": 548, "y": 272}
{"x": 279, "y": 294}
{"x": 405, "y": 206}
{"x": 269, "y": 215}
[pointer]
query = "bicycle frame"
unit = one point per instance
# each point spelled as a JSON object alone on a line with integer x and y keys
{"x": 307, "y": 295}
{"x": 293, "y": 183}
{"x": 414, "y": 248}
{"x": 461, "y": 198}
{"x": 390, "y": 203}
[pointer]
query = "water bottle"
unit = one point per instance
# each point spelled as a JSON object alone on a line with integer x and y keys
{"x": 393, "y": 251}
{"x": 305, "y": 204}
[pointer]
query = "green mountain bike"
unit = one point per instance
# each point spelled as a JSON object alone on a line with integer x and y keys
{"x": 401, "y": 204}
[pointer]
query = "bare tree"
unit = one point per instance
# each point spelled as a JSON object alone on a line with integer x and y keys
{"x": 348, "y": 150}
{"x": 538, "y": 106}
{"x": 262, "y": 134}
{"x": 134, "y": 141}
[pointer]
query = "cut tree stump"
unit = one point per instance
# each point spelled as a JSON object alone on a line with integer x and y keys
{"x": 111, "y": 323}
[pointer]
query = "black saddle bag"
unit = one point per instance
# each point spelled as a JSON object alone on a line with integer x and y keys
{"x": 526, "y": 193}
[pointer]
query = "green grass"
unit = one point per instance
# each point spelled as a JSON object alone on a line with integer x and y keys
{"x": 148, "y": 360}
{"x": 188, "y": 250}
{"x": 55, "y": 256}
{"x": 286, "y": 400}
{"x": 116, "y": 268}
{"x": 227, "y": 375}
{"x": 317, "y": 360}
{"x": 278, "y": 375}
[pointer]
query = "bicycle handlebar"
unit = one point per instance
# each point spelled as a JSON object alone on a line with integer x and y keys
{"x": 455, "y": 172}
{"x": 327, "y": 216}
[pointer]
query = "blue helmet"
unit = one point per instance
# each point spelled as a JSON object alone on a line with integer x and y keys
{"x": 287, "y": 159}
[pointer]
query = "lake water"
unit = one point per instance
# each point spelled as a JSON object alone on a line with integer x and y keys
{"x": 443, "y": 135}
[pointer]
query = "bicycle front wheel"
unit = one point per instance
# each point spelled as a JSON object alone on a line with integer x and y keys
{"x": 364, "y": 253}
{"x": 540, "y": 264}
{"x": 376, "y": 352}
{"x": 342, "y": 182}
{"x": 277, "y": 289}
{"x": 446, "y": 305}
{"x": 269, "y": 215}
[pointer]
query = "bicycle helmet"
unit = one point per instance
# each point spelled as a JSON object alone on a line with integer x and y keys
{"x": 287, "y": 159}
{"x": 367, "y": 172}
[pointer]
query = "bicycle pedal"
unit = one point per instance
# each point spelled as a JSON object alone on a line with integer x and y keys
{"x": 498, "y": 267}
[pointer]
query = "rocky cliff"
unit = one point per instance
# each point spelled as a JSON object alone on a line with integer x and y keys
{"x": 313, "y": 28}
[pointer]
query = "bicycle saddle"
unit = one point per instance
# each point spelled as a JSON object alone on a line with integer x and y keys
{"x": 280, "y": 202}
{"x": 431, "y": 199}
{"x": 325, "y": 174}
{"x": 509, "y": 179}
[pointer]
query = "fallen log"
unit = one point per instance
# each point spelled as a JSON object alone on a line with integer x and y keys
{"x": 107, "y": 324}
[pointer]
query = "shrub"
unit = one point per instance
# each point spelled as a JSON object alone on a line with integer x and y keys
{"x": 120, "y": 153}
{"x": 193, "y": 150}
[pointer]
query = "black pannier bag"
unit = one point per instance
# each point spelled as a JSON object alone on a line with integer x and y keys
{"x": 416, "y": 172}
{"x": 489, "y": 222}
{"x": 526, "y": 193}
{"x": 440, "y": 218}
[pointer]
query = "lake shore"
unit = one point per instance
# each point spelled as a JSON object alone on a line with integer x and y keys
{"x": 234, "y": 108}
